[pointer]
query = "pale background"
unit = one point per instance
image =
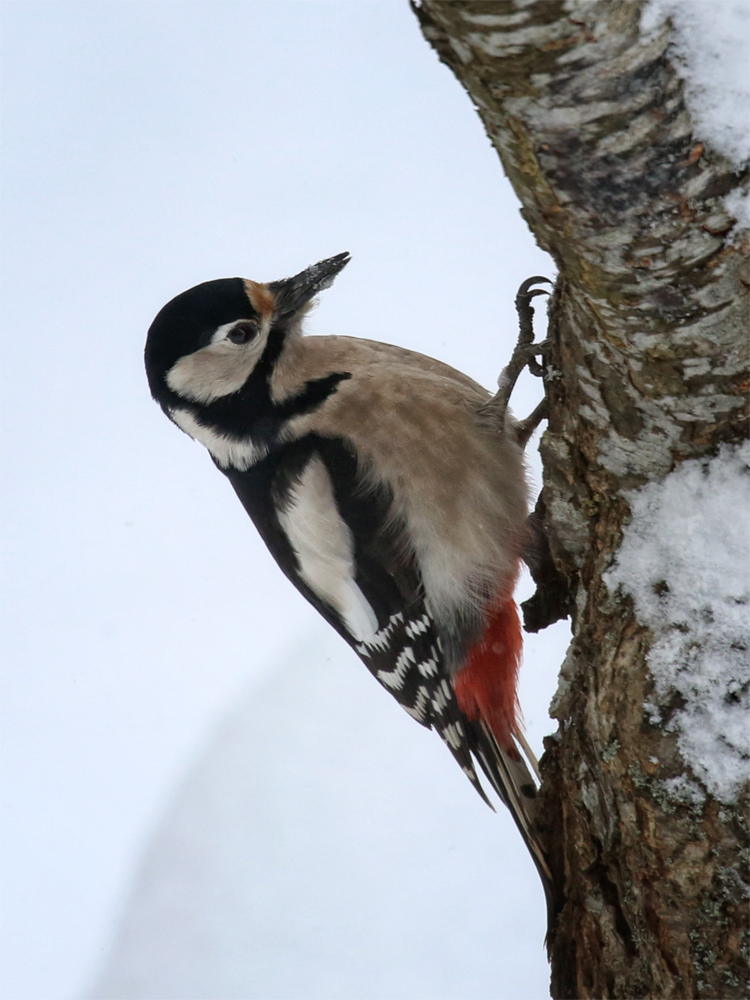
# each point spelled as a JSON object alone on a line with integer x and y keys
{"x": 204, "y": 792}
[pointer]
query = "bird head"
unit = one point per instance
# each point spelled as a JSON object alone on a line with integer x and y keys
{"x": 206, "y": 342}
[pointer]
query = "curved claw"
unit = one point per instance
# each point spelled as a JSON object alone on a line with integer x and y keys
{"x": 525, "y": 309}
{"x": 524, "y": 355}
{"x": 525, "y": 286}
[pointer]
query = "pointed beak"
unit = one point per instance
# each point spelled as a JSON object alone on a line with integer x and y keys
{"x": 291, "y": 294}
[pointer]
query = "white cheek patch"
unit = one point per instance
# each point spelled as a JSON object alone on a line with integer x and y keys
{"x": 217, "y": 370}
{"x": 322, "y": 543}
{"x": 228, "y": 452}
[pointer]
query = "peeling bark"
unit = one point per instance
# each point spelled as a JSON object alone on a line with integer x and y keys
{"x": 648, "y": 367}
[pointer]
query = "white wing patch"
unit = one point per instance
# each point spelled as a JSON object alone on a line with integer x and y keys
{"x": 322, "y": 543}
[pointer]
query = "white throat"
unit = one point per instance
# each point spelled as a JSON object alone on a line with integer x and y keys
{"x": 228, "y": 452}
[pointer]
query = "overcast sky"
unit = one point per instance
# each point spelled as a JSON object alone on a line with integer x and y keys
{"x": 147, "y": 147}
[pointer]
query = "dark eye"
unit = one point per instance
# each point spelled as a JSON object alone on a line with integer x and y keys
{"x": 243, "y": 333}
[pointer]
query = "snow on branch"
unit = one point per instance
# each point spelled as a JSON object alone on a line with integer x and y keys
{"x": 685, "y": 560}
{"x": 710, "y": 50}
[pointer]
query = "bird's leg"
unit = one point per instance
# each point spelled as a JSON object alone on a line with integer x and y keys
{"x": 524, "y": 356}
{"x": 525, "y": 428}
{"x": 552, "y": 599}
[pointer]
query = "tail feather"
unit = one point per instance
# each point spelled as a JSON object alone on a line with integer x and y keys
{"x": 530, "y": 756}
{"x": 513, "y": 782}
{"x": 486, "y": 691}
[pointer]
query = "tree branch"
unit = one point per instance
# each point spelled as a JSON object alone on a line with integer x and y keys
{"x": 648, "y": 357}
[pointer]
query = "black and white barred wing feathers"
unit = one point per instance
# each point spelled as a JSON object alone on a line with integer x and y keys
{"x": 332, "y": 533}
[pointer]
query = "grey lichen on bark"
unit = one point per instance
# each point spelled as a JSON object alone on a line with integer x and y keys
{"x": 647, "y": 368}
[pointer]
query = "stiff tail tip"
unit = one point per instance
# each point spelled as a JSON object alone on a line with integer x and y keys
{"x": 486, "y": 690}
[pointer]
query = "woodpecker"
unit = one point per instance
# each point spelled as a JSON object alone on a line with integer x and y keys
{"x": 390, "y": 489}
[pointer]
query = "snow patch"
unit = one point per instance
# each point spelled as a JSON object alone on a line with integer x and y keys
{"x": 737, "y": 203}
{"x": 685, "y": 560}
{"x": 685, "y": 790}
{"x": 710, "y": 50}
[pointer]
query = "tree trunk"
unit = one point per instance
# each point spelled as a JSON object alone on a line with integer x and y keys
{"x": 647, "y": 368}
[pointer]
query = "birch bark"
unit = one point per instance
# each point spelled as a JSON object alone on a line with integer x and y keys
{"x": 648, "y": 368}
